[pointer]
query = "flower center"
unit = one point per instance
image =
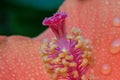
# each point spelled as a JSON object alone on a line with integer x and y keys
{"x": 66, "y": 56}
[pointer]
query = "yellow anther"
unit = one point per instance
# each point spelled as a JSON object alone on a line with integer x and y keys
{"x": 61, "y": 55}
{"x": 76, "y": 31}
{"x": 48, "y": 68}
{"x": 72, "y": 64}
{"x": 80, "y": 43}
{"x": 46, "y": 59}
{"x": 70, "y": 37}
{"x": 44, "y": 47}
{"x": 75, "y": 74}
{"x": 65, "y": 75}
{"x": 43, "y": 53}
{"x": 53, "y": 41}
{"x": 87, "y": 41}
{"x": 84, "y": 62}
{"x": 45, "y": 42}
{"x": 87, "y": 47}
{"x": 69, "y": 57}
{"x": 87, "y": 54}
{"x": 84, "y": 77}
{"x": 64, "y": 62}
{"x": 53, "y": 47}
{"x": 79, "y": 38}
{"x": 57, "y": 60}
{"x": 64, "y": 51}
{"x": 64, "y": 70}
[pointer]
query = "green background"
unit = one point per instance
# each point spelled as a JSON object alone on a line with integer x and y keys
{"x": 24, "y": 17}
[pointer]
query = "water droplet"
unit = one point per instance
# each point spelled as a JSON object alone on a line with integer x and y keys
{"x": 116, "y": 22}
{"x": 106, "y": 69}
{"x": 115, "y": 46}
{"x": 118, "y": 2}
{"x": 32, "y": 78}
{"x": 106, "y": 2}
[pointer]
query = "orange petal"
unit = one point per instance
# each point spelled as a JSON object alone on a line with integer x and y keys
{"x": 20, "y": 60}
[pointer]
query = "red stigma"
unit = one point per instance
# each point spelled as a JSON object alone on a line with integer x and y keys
{"x": 55, "y": 19}
{"x": 57, "y": 23}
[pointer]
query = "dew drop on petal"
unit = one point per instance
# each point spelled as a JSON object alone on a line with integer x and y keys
{"x": 32, "y": 78}
{"x": 106, "y": 2}
{"x": 106, "y": 69}
{"x": 116, "y": 22}
{"x": 115, "y": 46}
{"x": 118, "y": 2}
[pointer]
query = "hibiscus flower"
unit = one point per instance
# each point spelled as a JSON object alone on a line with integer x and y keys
{"x": 99, "y": 21}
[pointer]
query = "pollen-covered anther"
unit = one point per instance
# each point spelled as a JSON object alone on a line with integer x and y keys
{"x": 57, "y": 60}
{"x": 84, "y": 62}
{"x": 46, "y": 59}
{"x": 87, "y": 54}
{"x": 64, "y": 62}
{"x": 80, "y": 43}
{"x": 61, "y": 55}
{"x": 87, "y": 47}
{"x": 79, "y": 37}
{"x": 64, "y": 70}
{"x": 72, "y": 64}
{"x": 75, "y": 31}
{"x": 45, "y": 41}
{"x": 70, "y": 37}
{"x": 87, "y": 41}
{"x": 44, "y": 52}
{"x": 53, "y": 47}
{"x": 64, "y": 51}
{"x": 75, "y": 74}
{"x": 44, "y": 47}
{"x": 69, "y": 57}
{"x": 48, "y": 68}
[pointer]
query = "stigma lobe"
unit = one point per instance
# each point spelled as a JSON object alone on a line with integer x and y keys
{"x": 57, "y": 23}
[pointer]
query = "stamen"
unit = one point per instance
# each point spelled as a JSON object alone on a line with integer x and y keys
{"x": 68, "y": 56}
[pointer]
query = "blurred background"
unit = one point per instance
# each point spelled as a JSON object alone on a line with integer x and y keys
{"x": 24, "y": 17}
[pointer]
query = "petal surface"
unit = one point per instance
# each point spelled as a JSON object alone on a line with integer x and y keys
{"x": 20, "y": 60}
